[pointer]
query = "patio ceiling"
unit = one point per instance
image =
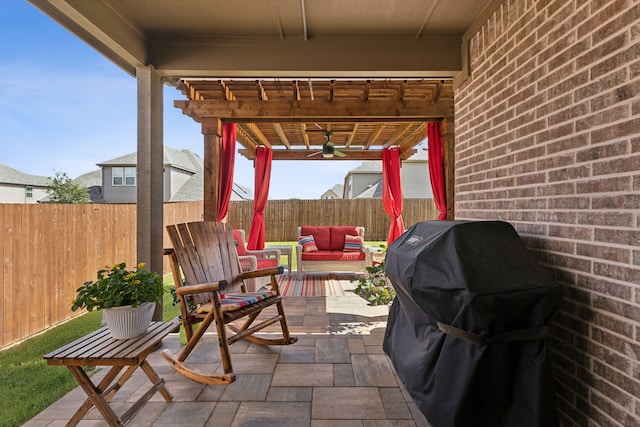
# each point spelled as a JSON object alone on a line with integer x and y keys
{"x": 287, "y": 71}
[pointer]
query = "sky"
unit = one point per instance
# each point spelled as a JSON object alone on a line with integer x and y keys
{"x": 64, "y": 108}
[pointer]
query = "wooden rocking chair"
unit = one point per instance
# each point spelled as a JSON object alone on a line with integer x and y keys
{"x": 210, "y": 287}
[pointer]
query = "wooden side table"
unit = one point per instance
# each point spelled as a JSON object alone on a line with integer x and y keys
{"x": 100, "y": 349}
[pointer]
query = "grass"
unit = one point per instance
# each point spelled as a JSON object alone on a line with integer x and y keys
{"x": 28, "y": 385}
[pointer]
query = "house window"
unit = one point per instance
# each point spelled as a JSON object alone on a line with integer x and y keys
{"x": 124, "y": 176}
{"x": 29, "y": 191}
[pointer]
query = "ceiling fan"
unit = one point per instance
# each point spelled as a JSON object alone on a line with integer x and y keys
{"x": 328, "y": 149}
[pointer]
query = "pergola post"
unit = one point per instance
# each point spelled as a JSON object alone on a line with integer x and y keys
{"x": 149, "y": 172}
{"x": 212, "y": 131}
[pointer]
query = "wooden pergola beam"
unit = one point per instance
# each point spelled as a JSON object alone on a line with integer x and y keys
{"x": 357, "y": 155}
{"x": 348, "y": 110}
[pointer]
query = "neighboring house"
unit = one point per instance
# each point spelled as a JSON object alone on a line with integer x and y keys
{"x": 414, "y": 173}
{"x": 93, "y": 182}
{"x": 182, "y": 179}
{"x": 365, "y": 181}
{"x": 19, "y": 187}
{"x": 333, "y": 193}
{"x": 361, "y": 178}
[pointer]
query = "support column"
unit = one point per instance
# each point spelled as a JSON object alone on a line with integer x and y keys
{"x": 149, "y": 172}
{"x": 212, "y": 131}
{"x": 447, "y": 133}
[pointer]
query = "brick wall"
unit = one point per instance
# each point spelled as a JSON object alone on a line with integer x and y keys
{"x": 548, "y": 139}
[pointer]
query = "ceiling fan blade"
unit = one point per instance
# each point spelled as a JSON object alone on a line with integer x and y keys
{"x": 339, "y": 153}
{"x": 314, "y": 154}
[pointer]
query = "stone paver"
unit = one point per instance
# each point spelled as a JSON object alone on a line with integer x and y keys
{"x": 343, "y": 403}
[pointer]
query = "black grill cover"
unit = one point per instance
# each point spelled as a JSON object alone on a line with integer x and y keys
{"x": 467, "y": 331}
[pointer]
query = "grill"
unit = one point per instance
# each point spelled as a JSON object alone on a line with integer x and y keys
{"x": 467, "y": 333}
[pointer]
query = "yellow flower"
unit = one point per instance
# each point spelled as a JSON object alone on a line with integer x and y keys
{"x": 136, "y": 282}
{"x": 142, "y": 265}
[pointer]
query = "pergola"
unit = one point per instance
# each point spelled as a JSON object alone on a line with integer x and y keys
{"x": 289, "y": 73}
{"x": 295, "y": 118}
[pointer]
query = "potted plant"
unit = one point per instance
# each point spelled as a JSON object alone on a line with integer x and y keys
{"x": 127, "y": 297}
{"x": 374, "y": 286}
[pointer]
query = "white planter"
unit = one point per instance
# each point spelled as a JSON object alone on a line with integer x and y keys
{"x": 128, "y": 322}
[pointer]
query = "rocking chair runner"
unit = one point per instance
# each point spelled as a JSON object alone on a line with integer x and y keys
{"x": 207, "y": 276}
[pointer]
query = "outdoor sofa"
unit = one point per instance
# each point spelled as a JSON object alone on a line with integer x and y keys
{"x": 331, "y": 248}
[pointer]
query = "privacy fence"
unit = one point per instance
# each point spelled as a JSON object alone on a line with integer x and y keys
{"x": 48, "y": 251}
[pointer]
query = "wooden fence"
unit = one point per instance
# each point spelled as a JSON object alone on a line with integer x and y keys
{"x": 49, "y": 250}
{"x": 282, "y": 217}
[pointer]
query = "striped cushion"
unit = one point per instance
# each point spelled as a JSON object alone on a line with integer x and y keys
{"x": 232, "y": 302}
{"x": 353, "y": 243}
{"x": 308, "y": 243}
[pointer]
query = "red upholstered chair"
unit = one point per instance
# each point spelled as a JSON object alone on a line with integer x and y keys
{"x": 254, "y": 259}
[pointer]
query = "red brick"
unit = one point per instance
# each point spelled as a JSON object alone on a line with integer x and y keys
{"x": 627, "y": 237}
{"x": 627, "y": 164}
{"x": 618, "y": 183}
{"x": 571, "y": 232}
{"x": 602, "y": 152}
{"x": 536, "y": 178}
{"x": 557, "y": 217}
{"x": 617, "y": 113}
{"x": 606, "y": 253}
{"x": 614, "y": 219}
{"x": 557, "y": 161}
{"x": 601, "y": 51}
{"x": 574, "y": 141}
{"x": 599, "y": 86}
{"x": 556, "y": 132}
{"x": 615, "y": 131}
{"x": 615, "y": 96}
{"x": 601, "y": 17}
{"x": 617, "y": 307}
{"x": 569, "y": 173}
{"x": 568, "y": 84}
{"x": 609, "y": 65}
{"x": 557, "y": 189}
{"x": 624, "y": 382}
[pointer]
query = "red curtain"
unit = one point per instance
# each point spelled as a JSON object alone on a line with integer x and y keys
{"x": 392, "y": 191}
{"x": 436, "y": 168}
{"x": 227, "y": 159}
{"x": 261, "y": 190}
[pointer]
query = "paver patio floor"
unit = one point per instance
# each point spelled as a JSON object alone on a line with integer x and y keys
{"x": 336, "y": 375}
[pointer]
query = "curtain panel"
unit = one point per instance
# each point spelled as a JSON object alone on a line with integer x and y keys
{"x": 227, "y": 163}
{"x": 436, "y": 168}
{"x": 261, "y": 194}
{"x": 392, "y": 191}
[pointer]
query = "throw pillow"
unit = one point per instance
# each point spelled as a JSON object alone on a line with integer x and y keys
{"x": 353, "y": 243}
{"x": 308, "y": 243}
